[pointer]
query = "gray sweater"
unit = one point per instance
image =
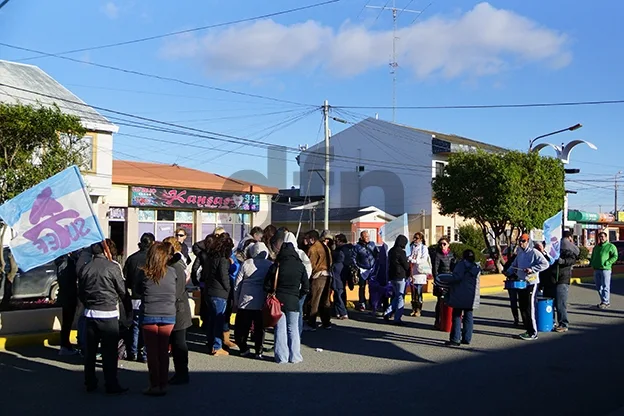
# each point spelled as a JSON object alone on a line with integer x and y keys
{"x": 158, "y": 299}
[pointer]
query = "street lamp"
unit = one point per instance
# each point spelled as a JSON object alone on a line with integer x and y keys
{"x": 563, "y": 154}
{"x": 571, "y": 128}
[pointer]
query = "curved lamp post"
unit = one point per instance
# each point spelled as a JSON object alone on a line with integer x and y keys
{"x": 571, "y": 128}
{"x": 563, "y": 154}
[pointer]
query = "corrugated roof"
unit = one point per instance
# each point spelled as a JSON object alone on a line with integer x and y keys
{"x": 282, "y": 212}
{"x": 165, "y": 175}
{"x": 32, "y": 78}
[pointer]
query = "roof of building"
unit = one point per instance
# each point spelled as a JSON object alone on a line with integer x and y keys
{"x": 452, "y": 138}
{"x": 282, "y": 212}
{"x": 459, "y": 140}
{"x": 171, "y": 175}
{"x": 46, "y": 91}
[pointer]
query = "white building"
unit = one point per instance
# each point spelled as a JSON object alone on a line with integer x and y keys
{"x": 390, "y": 166}
{"x": 29, "y": 85}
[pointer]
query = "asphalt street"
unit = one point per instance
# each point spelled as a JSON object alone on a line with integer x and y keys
{"x": 366, "y": 366}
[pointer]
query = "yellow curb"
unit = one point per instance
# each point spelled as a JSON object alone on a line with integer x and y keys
{"x": 46, "y": 339}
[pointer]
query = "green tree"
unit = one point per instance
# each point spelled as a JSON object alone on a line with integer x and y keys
{"x": 35, "y": 144}
{"x": 471, "y": 236}
{"x": 500, "y": 191}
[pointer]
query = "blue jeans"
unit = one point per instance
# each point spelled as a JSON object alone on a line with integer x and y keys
{"x": 561, "y": 301}
{"x": 301, "y": 303}
{"x": 287, "y": 340}
{"x": 216, "y": 317}
{"x": 398, "y": 299}
{"x": 459, "y": 333}
{"x": 602, "y": 278}
{"x": 137, "y": 347}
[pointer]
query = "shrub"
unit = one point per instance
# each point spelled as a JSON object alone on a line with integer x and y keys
{"x": 471, "y": 236}
{"x": 458, "y": 251}
{"x": 583, "y": 253}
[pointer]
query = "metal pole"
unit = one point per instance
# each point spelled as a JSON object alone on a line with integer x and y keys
{"x": 326, "y": 117}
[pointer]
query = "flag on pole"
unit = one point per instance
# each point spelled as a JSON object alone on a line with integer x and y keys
{"x": 51, "y": 219}
{"x": 553, "y": 230}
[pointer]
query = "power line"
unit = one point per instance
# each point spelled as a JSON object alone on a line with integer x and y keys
{"x": 487, "y": 106}
{"x": 4, "y": 3}
{"x": 180, "y": 32}
{"x": 159, "y": 77}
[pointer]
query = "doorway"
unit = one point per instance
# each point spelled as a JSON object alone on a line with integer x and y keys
{"x": 117, "y": 233}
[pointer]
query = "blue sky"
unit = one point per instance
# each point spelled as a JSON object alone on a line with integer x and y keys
{"x": 457, "y": 52}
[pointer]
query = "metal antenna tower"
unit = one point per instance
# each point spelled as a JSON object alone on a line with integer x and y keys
{"x": 393, "y": 64}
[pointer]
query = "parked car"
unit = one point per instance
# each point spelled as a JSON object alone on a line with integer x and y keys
{"x": 490, "y": 257}
{"x": 40, "y": 282}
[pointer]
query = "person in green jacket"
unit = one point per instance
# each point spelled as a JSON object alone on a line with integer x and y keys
{"x": 603, "y": 257}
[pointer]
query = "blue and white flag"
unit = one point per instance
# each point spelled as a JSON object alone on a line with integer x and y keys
{"x": 553, "y": 230}
{"x": 51, "y": 219}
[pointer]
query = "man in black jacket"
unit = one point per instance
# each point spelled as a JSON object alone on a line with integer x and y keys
{"x": 134, "y": 278}
{"x": 567, "y": 259}
{"x": 67, "y": 276}
{"x": 100, "y": 287}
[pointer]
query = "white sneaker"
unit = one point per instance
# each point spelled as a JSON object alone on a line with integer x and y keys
{"x": 66, "y": 352}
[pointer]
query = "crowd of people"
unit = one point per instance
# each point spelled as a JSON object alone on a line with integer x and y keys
{"x": 141, "y": 312}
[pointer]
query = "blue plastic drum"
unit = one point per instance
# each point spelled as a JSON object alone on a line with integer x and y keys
{"x": 544, "y": 314}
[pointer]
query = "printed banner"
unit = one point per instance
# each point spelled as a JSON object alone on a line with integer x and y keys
{"x": 50, "y": 219}
{"x": 553, "y": 230}
{"x": 183, "y": 198}
{"x": 390, "y": 231}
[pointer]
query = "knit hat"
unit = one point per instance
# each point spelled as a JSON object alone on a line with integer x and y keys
{"x": 525, "y": 236}
{"x": 326, "y": 235}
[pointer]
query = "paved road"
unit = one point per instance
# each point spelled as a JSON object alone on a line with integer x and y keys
{"x": 367, "y": 367}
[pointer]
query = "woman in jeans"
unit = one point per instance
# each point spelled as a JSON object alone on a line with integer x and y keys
{"x": 158, "y": 314}
{"x": 463, "y": 297}
{"x": 217, "y": 285}
{"x": 179, "y": 349}
{"x": 421, "y": 267}
{"x": 249, "y": 298}
{"x": 288, "y": 280}
{"x": 398, "y": 271}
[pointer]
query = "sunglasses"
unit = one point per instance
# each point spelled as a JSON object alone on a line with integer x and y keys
{"x": 443, "y": 244}
{"x": 180, "y": 235}
{"x": 524, "y": 241}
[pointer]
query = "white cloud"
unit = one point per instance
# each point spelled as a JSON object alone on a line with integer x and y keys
{"x": 482, "y": 41}
{"x": 111, "y": 10}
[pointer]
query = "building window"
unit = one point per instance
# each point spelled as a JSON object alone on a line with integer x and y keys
{"x": 88, "y": 146}
{"x": 449, "y": 234}
{"x": 456, "y": 235}
{"x": 164, "y": 222}
{"x": 237, "y": 225}
{"x": 439, "y": 169}
{"x": 439, "y": 233}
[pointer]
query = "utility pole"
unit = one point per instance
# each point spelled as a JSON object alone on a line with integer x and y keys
{"x": 326, "y": 118}
{"x": 615, "y": 209}
{"x": 394, "y": 64}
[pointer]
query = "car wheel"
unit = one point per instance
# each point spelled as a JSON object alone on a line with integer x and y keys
{"x": 54, "y": 292}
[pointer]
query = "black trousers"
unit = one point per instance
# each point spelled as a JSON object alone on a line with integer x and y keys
{"x": 526, "y": 301}
{"x": 179, "y": 352}
{"x": 105, "y": 331}
{"x": 69, "y": 312}
{"x": 244, "y": 319}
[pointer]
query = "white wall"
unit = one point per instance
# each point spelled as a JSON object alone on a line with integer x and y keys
{"x": 100, "y": 183}
{"x": 118, "y": 196}
{"x": 262, "y": 218}
{"x": 397, "y": 168}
